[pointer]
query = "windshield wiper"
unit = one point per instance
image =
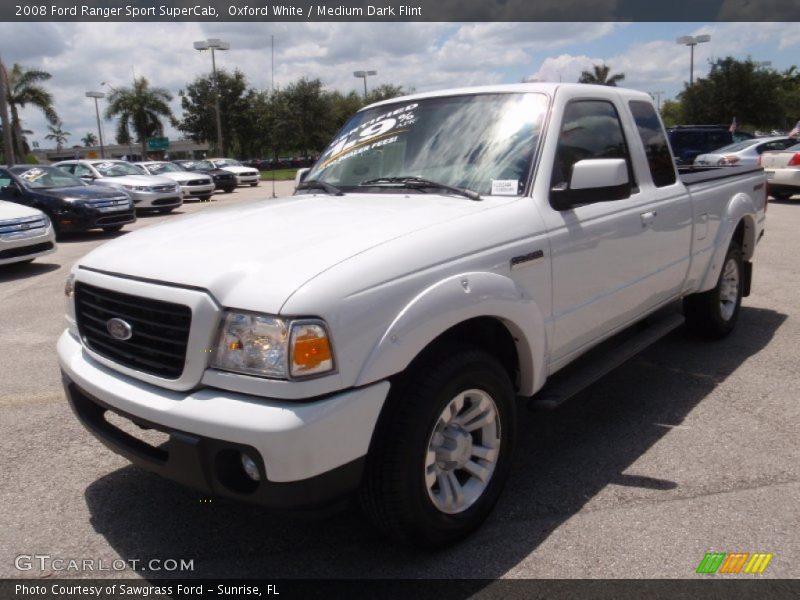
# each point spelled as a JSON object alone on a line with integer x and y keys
{"x": 316, "y": 184}
{"x": 412, "y": 181}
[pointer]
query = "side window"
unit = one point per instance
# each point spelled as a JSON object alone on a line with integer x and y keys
{"x": 776, "y": 145}
{"x": 654, "y": 141}
{"x": 81, "y": 170}
{"x": 5, "y": 178}
{"x": 69, "y": 168}
{"x": 590, "y": 129}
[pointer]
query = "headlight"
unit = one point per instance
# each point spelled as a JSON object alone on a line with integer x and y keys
{"x": 69, "y": 286}
{"x": 268, "y": 346}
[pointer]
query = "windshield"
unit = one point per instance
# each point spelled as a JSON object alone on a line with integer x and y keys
{"x": 45, "y": 177}
{"x": 484, "y": 143}
{"x": 227, "y": 162}
{"x": 158, "y": 168}
{"x": 200, "y": 165}
{"x": 116, "y": 169}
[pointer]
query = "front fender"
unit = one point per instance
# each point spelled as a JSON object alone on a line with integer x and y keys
{"x": 741, "y": 208}
{"x": 453, "y": 301}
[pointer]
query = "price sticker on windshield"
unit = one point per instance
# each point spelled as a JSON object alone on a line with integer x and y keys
{"x": 32, "y": 175}
{"x": 505, "y": 187}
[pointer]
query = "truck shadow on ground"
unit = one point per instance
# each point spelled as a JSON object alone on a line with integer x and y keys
{"x": 564, "y": 458}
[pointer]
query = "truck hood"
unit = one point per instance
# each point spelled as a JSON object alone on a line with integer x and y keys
{"x": 254, "y": 256}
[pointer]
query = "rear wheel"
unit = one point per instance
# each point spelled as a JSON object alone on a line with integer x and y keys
{"x": 781, "y": 195}
{"x": 713, "y": 314}
{"x": 442, "y": 449}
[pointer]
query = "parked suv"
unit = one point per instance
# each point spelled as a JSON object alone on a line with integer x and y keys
{"x": 688, "y": 141}
{"x": 149, "y": 192}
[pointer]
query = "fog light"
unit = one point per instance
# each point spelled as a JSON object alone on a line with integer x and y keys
{"x": 251, "y": 468}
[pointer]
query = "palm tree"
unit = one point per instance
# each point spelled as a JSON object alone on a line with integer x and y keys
{"x": 23, "y": 88}
{"x": 58, "y": 135}
{"x": 600, "y": 76}
{"x": 139, "y": 109}
{"x": 89, "y": 140}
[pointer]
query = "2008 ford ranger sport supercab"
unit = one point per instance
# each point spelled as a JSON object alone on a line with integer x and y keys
{"x": 446, "y": 257}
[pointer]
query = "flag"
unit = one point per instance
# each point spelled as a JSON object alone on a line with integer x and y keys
{"x": 796, "y": 131}
{"x": 732, "y": 128}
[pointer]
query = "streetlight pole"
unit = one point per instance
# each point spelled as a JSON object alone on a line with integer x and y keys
{"x": 363, "y": 75}
{"x": 8, "y": 148}
{"x": 215, "y": 44}
{"x": 97, "y": 96}
{"x": 692, "y": 41}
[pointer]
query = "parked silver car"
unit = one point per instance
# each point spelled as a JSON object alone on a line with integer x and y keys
{"x": 149, "y": 192}
{"x": 193, "y": 185}
{"x": 744, "y": 153}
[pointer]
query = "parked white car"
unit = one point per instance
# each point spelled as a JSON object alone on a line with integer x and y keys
{"x": 744, "y": 153}
{"x": 149, "y": 192}
{"x": 783, "y": 171}
{"x": 25, "y": 233}
{"x": 244, "y": 175}
{"x": 193, "y": 185}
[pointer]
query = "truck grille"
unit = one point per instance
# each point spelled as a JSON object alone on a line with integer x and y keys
{"x": 160, "y": 330}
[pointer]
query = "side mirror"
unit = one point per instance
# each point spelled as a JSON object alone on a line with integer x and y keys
{"x": 593, "y": 180}
{"x": 300, "y": 176}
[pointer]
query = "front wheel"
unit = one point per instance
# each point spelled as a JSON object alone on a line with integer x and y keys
{"x": 254, "y": 184}
{"x": 713, "y": 314}
{"x": 781, "y": 195}
{"x": 112, "y": 228}
{"x": 166, "y": 210}
{"x": 442, "y": 449}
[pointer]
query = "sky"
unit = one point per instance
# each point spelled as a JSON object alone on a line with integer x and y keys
{"x": 422, "y": 56}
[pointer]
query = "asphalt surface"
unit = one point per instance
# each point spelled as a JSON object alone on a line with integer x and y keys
{"x": 689, "y": 448}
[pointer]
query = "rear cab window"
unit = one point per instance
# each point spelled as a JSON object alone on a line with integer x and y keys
{"x": 659, "y": 158}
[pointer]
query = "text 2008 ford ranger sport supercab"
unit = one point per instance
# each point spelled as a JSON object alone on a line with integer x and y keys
{"x": 447, "y": 254}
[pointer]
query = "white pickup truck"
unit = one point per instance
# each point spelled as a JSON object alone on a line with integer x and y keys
{"x": 444, "y": 260}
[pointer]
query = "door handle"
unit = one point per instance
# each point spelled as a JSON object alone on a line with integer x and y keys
{"x": 648, "y": 217}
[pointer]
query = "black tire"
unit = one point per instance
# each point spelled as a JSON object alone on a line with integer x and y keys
{"x": 204, "y": 198}
{"x": 229, "y": 190}
{"x": 708, "y": 314}
{"x": 113, "y": 228}
{"x": 166, "y": 210}
{"x": 394, "y": 494}
{"x": 254, "y": 184}
{"x": 781, "y": 195}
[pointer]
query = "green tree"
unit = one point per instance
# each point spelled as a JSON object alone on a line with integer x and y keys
{"x": 672, "y": 113}
{"x": 140, "y": 109}
{"x": 386, "y": 91}
{"x": 600, "y": 75}
{"x": 741, "y": 89}
{"x": 238, "y": 107}
{"x": 303, "y": 116}
{"x": 89, "y": 140}
{"x": 23, "y": 88}
{"x": 58, "y": 135}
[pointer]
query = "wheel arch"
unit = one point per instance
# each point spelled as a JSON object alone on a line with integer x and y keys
{"x": 738, "y": 224}
{"x": 486, "y": 310}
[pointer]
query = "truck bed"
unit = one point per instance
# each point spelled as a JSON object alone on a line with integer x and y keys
{"x": 691, "y": 174}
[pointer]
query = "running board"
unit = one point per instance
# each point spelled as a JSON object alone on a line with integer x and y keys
{"x": 603, "y": 359}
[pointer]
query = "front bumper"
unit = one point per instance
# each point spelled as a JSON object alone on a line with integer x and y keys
{"x": 196, "y": 191}
{"x": 83, "y": 217}
{"x": 247, "y": 179}
{"x": 18, "y": 248}
{"x": 156, "y": 200}
{"x": 309, "y": 453}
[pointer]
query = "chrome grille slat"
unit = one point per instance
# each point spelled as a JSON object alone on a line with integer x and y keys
{"x": 160, "y": 329}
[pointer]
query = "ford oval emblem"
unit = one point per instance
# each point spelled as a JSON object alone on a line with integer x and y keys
{"x": 119, "y": 329}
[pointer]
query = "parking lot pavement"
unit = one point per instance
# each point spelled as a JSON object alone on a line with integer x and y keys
{"x": 689, "y": 448}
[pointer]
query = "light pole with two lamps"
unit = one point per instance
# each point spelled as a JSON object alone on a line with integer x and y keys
{"x": 363, "y": 75}
{"x": 692, "y": 41}
{"x": 215, "y": 44}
